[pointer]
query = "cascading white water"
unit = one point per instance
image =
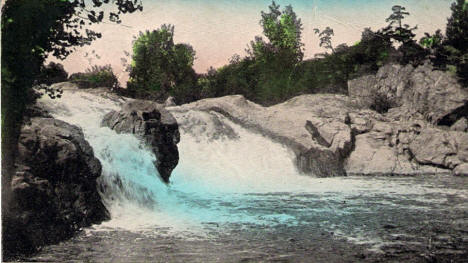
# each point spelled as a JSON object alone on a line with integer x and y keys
{"x": 211, "y": 171}
{"x": 227, "y": 174}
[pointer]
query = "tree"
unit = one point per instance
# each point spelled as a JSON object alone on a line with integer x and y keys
{"x": 325, "y": 38}
{"x": 283, "y": 30}
{"x": 96, "y": 76}
{"x": 34, "y": 29}
{"x": 457, "y": 26}
{"x": 159, "y": 67}
{"x": 432, "y": 43}
{"x": 410, "y": 51}
{"x": 402, "y": 33}
{"x": 455, "y": 48}
{"x": 31, "y": 31}
{"x": 374, "y": 49}
{"x": 275, "y": 59}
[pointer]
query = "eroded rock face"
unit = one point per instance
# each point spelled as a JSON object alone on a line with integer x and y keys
{"x": 152, "y": 123}
{"x": 440, "y": 148}
{"x": 331, "y": 136}
{"x": 385, "y": 149}
{"x": 54, "y": 191}
{"x": 460, "y": 125}
{"x": 313, "y": 126}
{"x": 413, "y": 137}
{"x": 434, "y": 94}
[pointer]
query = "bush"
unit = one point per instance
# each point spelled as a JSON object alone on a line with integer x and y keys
{"x": 381, "y": 103}
{"x": 52, "y": 73}
{"x": 96, "y": 76}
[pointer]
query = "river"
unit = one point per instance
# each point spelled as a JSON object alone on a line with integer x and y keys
{"x": 237, "y": 197}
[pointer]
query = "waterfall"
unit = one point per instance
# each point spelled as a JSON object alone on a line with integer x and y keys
{"x": 216, "y": 166}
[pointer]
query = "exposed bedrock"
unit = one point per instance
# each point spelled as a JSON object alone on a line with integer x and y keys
{"x": 153, "y": 124}
{"x": 54, "y": 191}
{"x": 313, "y": 126}
{"x": 433, "y": 94}
{"x": 424, "y": 130}
{"x": 332, "y": 135}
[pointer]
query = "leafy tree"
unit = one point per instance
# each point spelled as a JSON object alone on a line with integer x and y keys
{"x": 374, "y": 49}
{"x": 160, "y": 67}
{"x": 432, "y": 44}
{"x": 283, "y": 30}
{"x": 276, "y": 58}
{"x": 432, "y": 41}
{"x": 31, "y": 31}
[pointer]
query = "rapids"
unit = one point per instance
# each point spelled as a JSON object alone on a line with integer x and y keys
{"x": 236, "y": 195}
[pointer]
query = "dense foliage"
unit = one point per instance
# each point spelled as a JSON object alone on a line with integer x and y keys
{"x": 266, "y": 75}
{"x": 451, "y": 51}
{"x": 52, "y": 73}
{"x": 274, "y": 71}
{"x": 31, "y": 31}
{"x": 34, "y": 29}
{"x": 95, "y": 77}
{"x": 160, "y": 67}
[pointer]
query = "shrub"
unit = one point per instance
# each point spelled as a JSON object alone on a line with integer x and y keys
{"x": 52, "y": 73}
{"x": 381, "y": 103}
{"x": 96, "y": 76}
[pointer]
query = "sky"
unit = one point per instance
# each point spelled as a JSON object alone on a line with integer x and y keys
{"x": 218, "y": 29}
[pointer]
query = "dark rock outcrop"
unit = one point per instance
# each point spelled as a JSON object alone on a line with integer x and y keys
{"x": 54, "y": 191}
{"x": 156, "y": 126}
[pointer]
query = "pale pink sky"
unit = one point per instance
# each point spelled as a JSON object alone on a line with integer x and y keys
{"x": 219, "y": 29}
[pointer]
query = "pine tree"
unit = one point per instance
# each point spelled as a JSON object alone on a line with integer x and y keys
{"x": 457, "y": 26}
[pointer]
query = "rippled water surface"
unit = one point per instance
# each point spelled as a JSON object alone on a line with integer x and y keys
{"x": 239, "y": 198}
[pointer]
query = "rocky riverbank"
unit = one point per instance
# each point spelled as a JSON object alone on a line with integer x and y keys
{"x": 53, "y": 191}
{"x": 401, "y": 121}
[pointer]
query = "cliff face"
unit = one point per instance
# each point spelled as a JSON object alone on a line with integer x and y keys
{"x": 54, "y": 190}
{"x": 152, "y": 123}
{"x": 333, "y": 135}
{"x": 424, "y": 129}
{"x": 422, "y": 92}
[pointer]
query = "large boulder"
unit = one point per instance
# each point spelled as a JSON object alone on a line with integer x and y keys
{"x": 313, "y": 126}
{"x": 385, "y": 149}
{"x": 440, "y": 148}
{"x": 422, "y": 90}
{"x": 152, "y": 123}
{"x": 54, "y": 190}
